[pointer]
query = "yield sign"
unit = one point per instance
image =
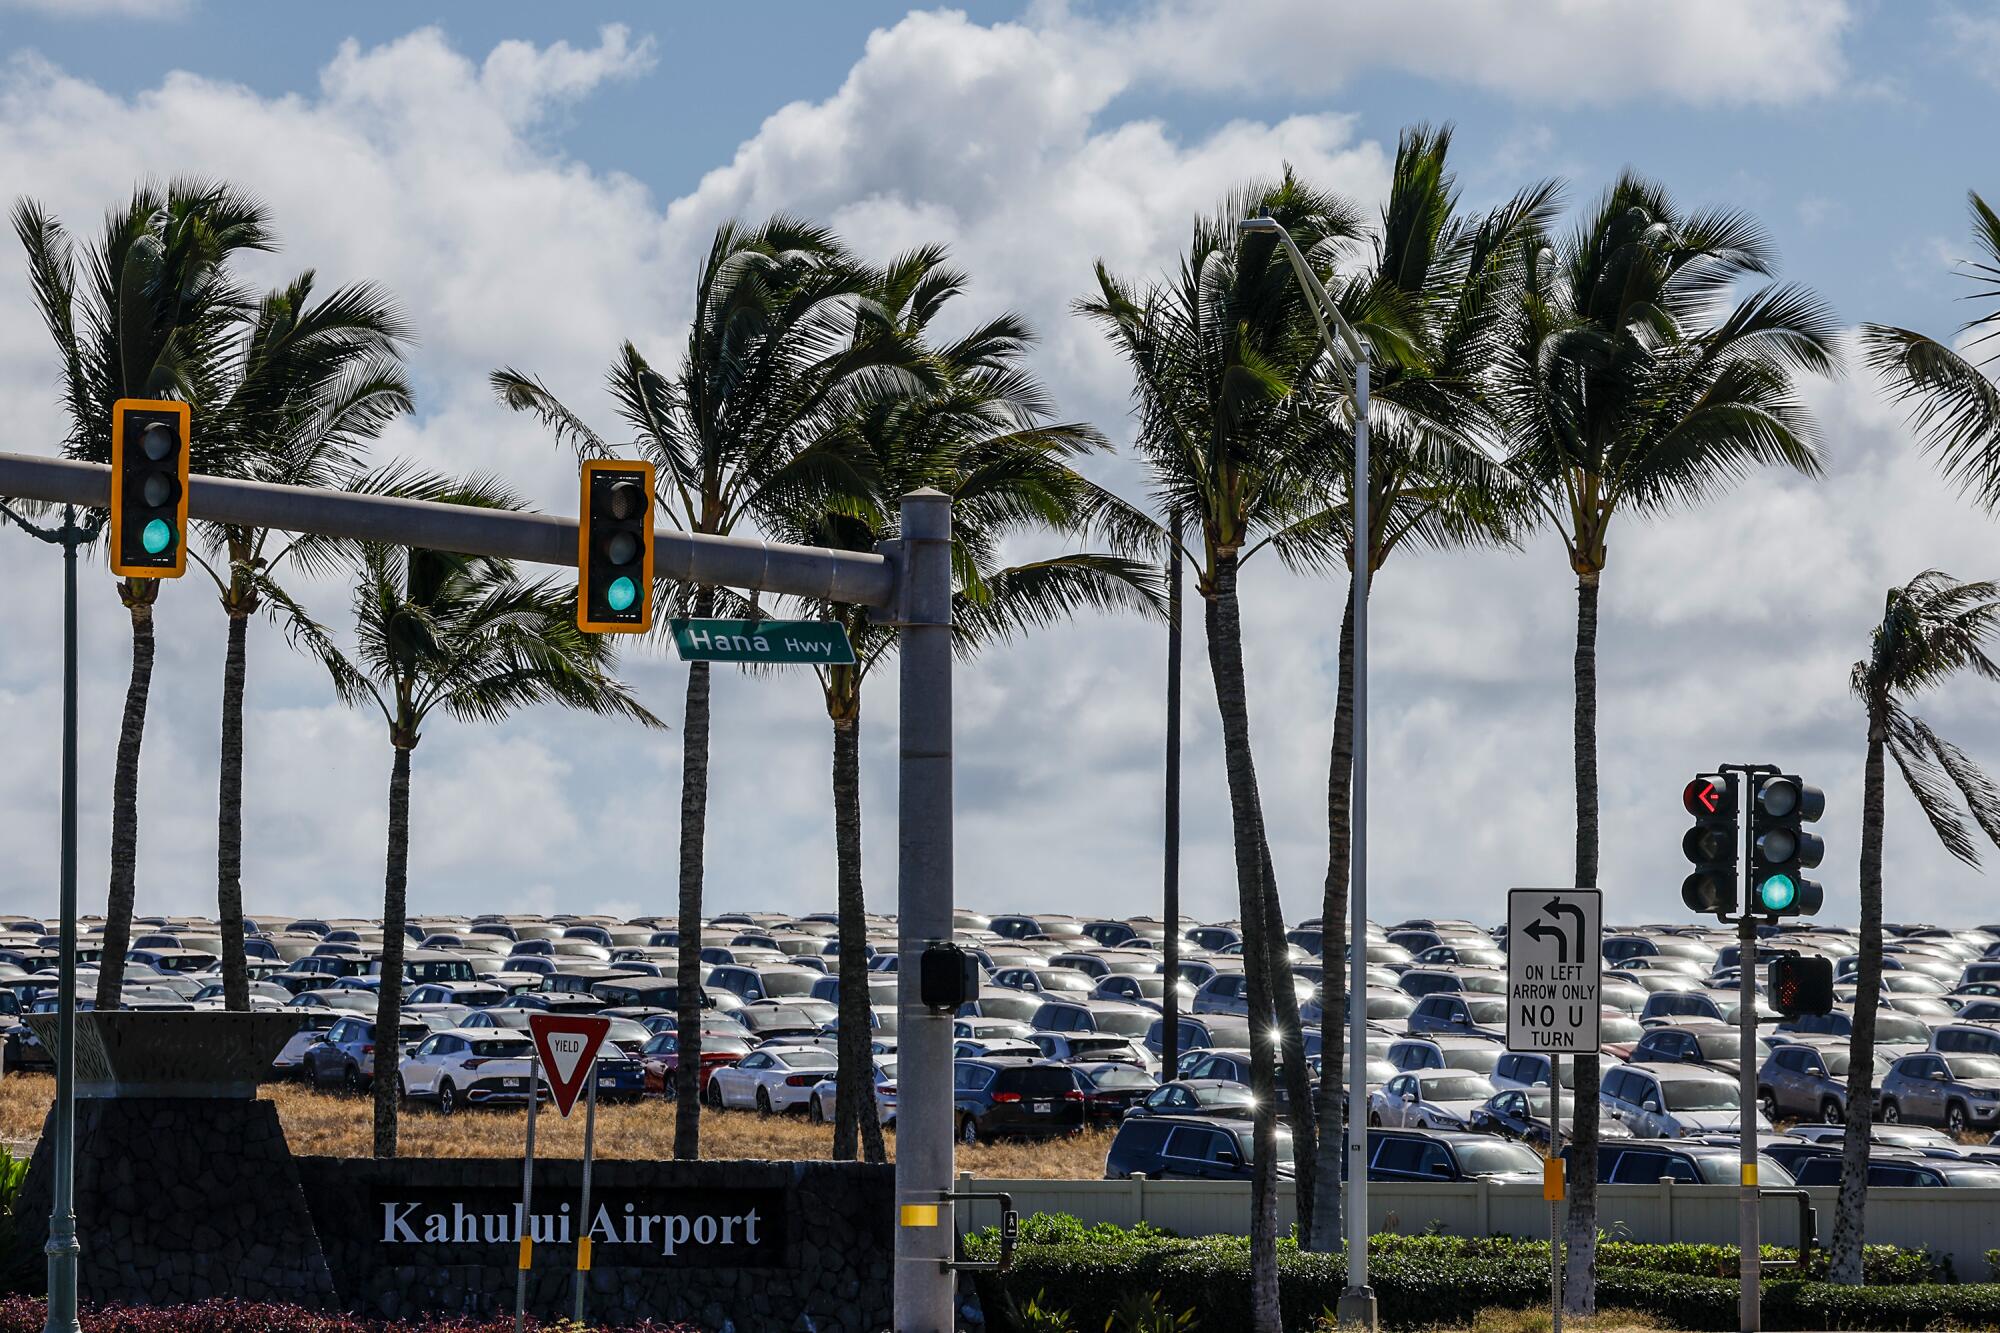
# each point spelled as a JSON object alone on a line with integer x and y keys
{"x": 568, "y": 1044}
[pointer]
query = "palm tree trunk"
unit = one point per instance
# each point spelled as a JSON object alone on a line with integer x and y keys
{"x": 138, "y": 595}
{"x": 1580, "y": 1231}
{"x": 395, "y": 913}
{"x": 1170, "y": 996}
{"x": 1225, "y": 657}
{"x": 694, "y": 825}
{"x": 1325, "y": 1234}
{"x": 229, "y": 821}
{"x": 854, "y": 1078}
{"x": 1298, "y": 1079}
{"x": 1850, "y": 1221}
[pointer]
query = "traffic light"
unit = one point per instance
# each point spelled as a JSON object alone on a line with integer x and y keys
{"x": 1711, "y": 844}
{"x": 614, "y": 547}
{"x": 1800, "y": 985}
{"x": 149, "y": 485}
{"x": 1781, "y": 850}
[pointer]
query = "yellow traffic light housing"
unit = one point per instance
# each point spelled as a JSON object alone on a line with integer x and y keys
{"x": 149, "y": 488}
{"x": 614, "y": 547}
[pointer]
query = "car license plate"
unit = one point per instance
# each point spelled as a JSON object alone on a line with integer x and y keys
{"x": 1044, "y": 1108}
{"x": 512, "y": 1082}
{"x": 607, "y": 1081}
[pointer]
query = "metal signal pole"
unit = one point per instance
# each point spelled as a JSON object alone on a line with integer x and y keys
{"x": 62, "y": 1249}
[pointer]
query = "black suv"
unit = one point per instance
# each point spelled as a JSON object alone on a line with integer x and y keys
{"x": 1189, "y": 1148}
{"x": 1002, "y": 1097}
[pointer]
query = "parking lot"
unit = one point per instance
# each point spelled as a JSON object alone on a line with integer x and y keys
{"x": 1060, "y": 1071}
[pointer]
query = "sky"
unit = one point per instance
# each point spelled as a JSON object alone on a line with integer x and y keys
{"x": 537, "y": 183}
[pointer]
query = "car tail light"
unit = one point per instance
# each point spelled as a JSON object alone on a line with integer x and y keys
{"x": 1005, "y": 1097}
{"x": 475, "y": 1062}
{"x": 886, "y": 1090}
{"x": 1072, "y": 1096}
{"x": 368, "y": 1049}
{"x": 801, "y": 1080}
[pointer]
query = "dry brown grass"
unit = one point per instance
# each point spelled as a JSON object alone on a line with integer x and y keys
{"x": 337, "y": 1125}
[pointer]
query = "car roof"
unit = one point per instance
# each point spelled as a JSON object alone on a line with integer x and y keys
{"x": 1683, "y": 1074}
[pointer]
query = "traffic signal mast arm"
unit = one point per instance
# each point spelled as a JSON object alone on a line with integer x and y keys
{"x": 855, "y": 577}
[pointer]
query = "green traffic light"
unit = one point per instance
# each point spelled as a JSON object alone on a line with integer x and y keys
{"x": 621, "y": 594}
{"x": 1777, "y": 893}
{"x": 156, "y": 536}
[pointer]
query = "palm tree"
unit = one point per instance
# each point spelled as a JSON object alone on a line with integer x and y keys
{"x": 1633, "y": 379}
{"x": 972, "y": 422}
{"x": 1933, "y": 628}
{"x": 771, "y": 339}
{"x": 308, "y": 386}
{"x": 1954, "y": 407}
{"x": 1217, "y": 353}
{"x": 153, "y": 319}
{"x": 1432, "y": 307}
{"x": 466, "y": 637}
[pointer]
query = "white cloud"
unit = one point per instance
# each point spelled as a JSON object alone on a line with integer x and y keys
{"x": 430, "y": 171}
{"x": 1560, "y": 52}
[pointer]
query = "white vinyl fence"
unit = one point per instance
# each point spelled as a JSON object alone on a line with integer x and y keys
{"x": 1960, "y": 1223}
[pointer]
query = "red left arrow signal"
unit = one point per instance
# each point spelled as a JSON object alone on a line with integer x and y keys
{"x": 1702, "y": 797}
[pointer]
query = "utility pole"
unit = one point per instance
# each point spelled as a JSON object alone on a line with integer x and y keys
{"x": 926, "y": 1234}
{"x": 62, "y": 1248}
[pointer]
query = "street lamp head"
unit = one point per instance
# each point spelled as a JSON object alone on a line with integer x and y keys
{"x": 1262, "y": 224}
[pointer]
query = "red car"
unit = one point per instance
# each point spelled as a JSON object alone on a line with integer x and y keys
{"x": 661, "y": 1057}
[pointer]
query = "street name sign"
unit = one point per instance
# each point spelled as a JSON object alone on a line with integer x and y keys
{"x": 774, "y": 642}
{"x": 568, "y": 1044}
{"x": 1555, "y": 969}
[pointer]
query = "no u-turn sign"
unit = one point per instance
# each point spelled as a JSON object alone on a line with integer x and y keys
{"x": 1555, "y": 966}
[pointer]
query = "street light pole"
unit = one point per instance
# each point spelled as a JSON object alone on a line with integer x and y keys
{"x": 62, "y": 1248}
{"x": 1357, "y": 1302}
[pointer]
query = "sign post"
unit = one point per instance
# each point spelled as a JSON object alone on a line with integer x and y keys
{"x": 1555, "y": 972}
{"x": 566, "y": 1045}
{"x": 527, "y": 1244}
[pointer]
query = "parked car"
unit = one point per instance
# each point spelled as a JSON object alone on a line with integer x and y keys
{"x": 660, "y": 1058}
{"x": 290, "y": 1062}
{"x": 1460, "y": 1012}
{"x": 1410, "y": 1154}
{"x": 1672, "y": 1101}
{"x": 770, "y": 1078}
{"x": 345, "y": 1055}
{"x": 1958, "y": 1092}
{"x": 1808, "y": 1080}
{"x": 1189, "y": 1148}
{"x": 1649, "y": 1161}
{"x": 1523, "y": 1113}
{"x": 822, "y": 1102}
{"x": 1429, "y": 1099}
{"x": 1011, "y": 1099}
{"x": 1906, "y": 1172}
{"x": 1189, "y": 1096}
{"x": 1111, "y": 1089}
{"x": 474, "y": 1067}
{"x": 1474, "y": 1055}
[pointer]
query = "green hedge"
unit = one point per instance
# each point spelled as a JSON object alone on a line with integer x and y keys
{"x": 1424, "y": 1281}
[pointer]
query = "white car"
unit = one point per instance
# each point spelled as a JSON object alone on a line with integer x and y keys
{"x": 1674, "y": 1101}
{"x": 313, "y": 1024}
{"x": 770, "y": 1078}
{"x": 469, "y": 1066}
{"x": 1430, "y": 1099}
{"x": 820, "y": 1107}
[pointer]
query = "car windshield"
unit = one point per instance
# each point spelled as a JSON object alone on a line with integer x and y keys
{"x": 503, "y": 1048}
{"x": 1227, "y": 1031}
{"x": 786, "y": 983}
{"x": 1619, "y": 1029}
{"x": 1223, "y": 1094}
{"x": 1538, "y": 1102}
{"x": 805, "y": 1058}
{"x": 1700, "y": 1094}
{"x": 1246, "y": 1143}
{"x": 1727, "y": 1169}
{"x": 1720, "y": 1045}
{"x": 1064, "y": 979}
{"x": 1974, "y": 1066}
{"x": 1457, "y": 1088}
{"x": 1124, "y": 1024}
{"x": 1480, "y": 1059}
{"x": 1121, "y": 1076}
{"x": 1898, "y": 1029}
{"x": 1489, "y": 1012}
{"x": 1492, "y": 1159}
{"x": 1389, "y": 1006}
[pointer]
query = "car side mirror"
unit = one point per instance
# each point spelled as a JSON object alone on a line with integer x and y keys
{"x": 1652, "y": 1106}
{"x": 1439, "y": 1169}
{"x": 1409, "y": 1099}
